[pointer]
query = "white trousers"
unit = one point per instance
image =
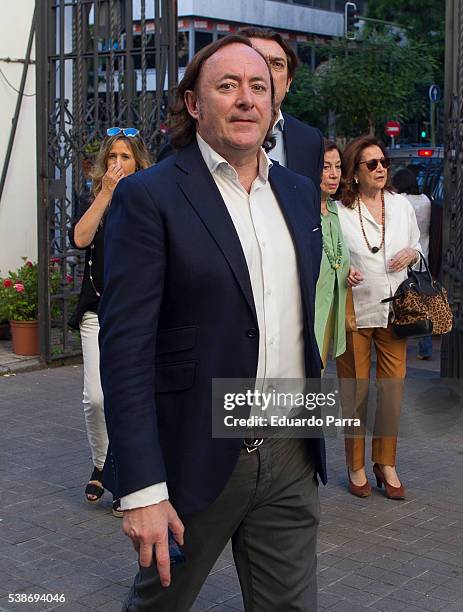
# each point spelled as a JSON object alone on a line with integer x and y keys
{"x": 93, "y": 393}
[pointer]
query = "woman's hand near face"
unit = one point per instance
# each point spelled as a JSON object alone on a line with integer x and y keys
{"x": 109, "y": 181}
{"x": 402, "y": 259}
{"x": 85, "y": 230}
{"x": 355, "y": 277}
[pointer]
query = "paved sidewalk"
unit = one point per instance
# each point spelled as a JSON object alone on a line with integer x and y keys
{"x": 10, "y": 362}
{"x": 375, "y": 554}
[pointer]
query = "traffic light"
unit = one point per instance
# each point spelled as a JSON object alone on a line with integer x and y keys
{"x": 351, "y": 19}
{"x": 424, "y": 132}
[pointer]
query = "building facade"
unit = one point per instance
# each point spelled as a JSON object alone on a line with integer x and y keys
{"x": 306, "y": 24}
{"x": 18, "y": 203}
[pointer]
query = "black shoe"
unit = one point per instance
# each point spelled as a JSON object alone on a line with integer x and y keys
{"x": 117, "y": 508}
{"x": 94, "y": 487}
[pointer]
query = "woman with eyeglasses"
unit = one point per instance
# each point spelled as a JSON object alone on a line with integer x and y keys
{"x": 330, "y": 301}
{"x": 122, "y": 152}
{"x": 382, "y": 235}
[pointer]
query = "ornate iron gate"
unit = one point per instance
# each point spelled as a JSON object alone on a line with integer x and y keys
{"x": 99, "y": 63}
{"x": 452, "y": 345}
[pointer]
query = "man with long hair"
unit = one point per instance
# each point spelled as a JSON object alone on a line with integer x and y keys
{"x": 209, "y": 276}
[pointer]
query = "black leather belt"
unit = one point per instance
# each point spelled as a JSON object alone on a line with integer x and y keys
{"x": 252, "y": 444}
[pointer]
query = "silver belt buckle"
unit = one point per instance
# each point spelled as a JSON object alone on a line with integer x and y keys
{"x": 254, "y": 445}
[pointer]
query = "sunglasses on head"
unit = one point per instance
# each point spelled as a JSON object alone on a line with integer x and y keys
{"x": 372, "y": 164}
{"x": 129, "y": 132}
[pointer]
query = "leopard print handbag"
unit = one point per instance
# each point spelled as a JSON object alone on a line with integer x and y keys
{"x": 420, "y": 305}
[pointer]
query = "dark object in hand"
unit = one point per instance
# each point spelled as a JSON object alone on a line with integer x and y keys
{"x": 175, "y": 552}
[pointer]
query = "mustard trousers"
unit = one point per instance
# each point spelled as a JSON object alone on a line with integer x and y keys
{"x": 353, "y": 369}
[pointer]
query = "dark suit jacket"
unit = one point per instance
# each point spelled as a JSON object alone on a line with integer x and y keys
{"x": 303, "y": 146}
{"x": 178, "y": 311}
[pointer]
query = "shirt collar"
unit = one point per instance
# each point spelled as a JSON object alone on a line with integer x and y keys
{"x": 279, "y": 122}
{"x": 217, "y": 163}
{"x": 331, "y": 205}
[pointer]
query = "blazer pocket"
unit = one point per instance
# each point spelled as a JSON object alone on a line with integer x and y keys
{"x": 177, "y": 376}
{"x": 176, "y": 339}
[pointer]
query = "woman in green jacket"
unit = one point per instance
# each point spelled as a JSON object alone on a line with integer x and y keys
{"x": 330, "y": 301}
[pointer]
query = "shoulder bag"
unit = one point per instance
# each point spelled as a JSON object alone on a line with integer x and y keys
{"x": 420, "y": 305}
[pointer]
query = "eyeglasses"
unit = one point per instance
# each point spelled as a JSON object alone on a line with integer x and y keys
{"x": 129, "y": 132}
{"x": 372, "y": 164}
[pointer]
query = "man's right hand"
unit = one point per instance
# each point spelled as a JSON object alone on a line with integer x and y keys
{"x": 147, "y": 528}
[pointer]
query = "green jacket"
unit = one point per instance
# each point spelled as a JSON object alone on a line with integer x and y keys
{"x": 332, "y": 284}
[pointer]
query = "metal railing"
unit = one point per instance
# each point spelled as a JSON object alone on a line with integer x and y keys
{"x": 94, "y": 69}
{"x": 452, "y": 257}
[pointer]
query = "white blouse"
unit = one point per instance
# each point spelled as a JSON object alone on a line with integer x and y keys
{"x": 401, "y": 231}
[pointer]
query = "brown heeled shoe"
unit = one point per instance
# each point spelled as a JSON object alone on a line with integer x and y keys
{"x": 391, "y": 492}
{"x": 359, "y": 490}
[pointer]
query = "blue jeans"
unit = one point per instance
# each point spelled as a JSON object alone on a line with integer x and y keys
{"x": 425, "y": 346}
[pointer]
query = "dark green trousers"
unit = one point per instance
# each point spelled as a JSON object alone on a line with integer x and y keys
{"x": 270, "y": 510}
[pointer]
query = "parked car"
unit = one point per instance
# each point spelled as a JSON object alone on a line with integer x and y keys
{"x": 428, "y": 165}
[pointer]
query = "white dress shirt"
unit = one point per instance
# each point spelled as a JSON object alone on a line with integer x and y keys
{"x": 278, "y": 153}
{"x": 401, "y": 231}
{"x": 271, "y": 259}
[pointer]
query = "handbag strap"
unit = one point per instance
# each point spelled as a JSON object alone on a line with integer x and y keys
{"x": 411, "y": 272}
{"x": 392, "y": 298}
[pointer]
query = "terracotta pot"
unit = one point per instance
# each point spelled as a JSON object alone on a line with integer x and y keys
{"x": 25, "y": 336}
{"x": 5, "y": 331}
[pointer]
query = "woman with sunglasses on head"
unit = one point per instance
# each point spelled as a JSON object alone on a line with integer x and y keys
{"x": 382, "y": 235}
{"x": 122, "y": 152}
{"x": 330, "y": 301}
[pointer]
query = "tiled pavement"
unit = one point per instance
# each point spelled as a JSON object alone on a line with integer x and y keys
{"x": 375, "y": 554}
{"x": 10, "y": 362}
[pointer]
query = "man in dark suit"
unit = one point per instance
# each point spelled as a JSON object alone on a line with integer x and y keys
{"x": 298, "y": 146}
{"x": 211, "y": 261}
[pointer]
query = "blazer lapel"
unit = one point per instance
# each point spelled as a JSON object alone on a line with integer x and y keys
{"x": 296, "y": 151}
{"x": 289, "y": 139}
{"x": 331, "y": 206}
{"x": 200, "y": 189}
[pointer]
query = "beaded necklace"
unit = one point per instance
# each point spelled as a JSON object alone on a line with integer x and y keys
{"x": 335, "y": 262}
{"x": 374, "y": 249}
{"x": 90, "y": 263}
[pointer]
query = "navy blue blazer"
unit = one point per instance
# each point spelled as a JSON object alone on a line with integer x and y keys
{"x": 304, "y": 148}
{"x": 176, "y": 312}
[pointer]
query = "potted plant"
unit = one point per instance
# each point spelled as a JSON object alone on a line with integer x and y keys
{"x": 4, "y": 323}
{"x": 20, "y": 301}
